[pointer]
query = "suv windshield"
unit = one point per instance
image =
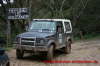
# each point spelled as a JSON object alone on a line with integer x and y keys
{"x": 42, "y": 26}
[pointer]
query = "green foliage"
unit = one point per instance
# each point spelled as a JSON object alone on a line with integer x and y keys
{"x": 8, "y": 49}
{"x": 84, "y": 14}
{"x": 88, "y": 37}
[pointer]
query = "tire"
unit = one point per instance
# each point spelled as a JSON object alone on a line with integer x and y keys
{"x": 50, "y": 52}
{"x": 19, "y": 54}
{"x": 67, "y": 48}
{"x": 8, "y": 64}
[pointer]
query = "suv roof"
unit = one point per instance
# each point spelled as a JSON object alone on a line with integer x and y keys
{"x": 53, "y": 20}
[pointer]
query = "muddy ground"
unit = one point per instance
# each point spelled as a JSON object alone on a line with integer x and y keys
{"x": 81, "y": 50}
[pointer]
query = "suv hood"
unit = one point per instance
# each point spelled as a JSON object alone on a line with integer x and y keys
{"x": 35, "y": 34}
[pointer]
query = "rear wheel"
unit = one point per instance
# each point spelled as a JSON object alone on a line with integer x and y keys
{"x": 19, "y": 54}
{"x": 50, "y": 52}
{"x": 67, "y": 48}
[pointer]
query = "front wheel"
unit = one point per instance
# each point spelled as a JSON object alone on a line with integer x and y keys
{"x": 19, "y": 54}
{"x": 50, "y": 52}
{"x": 67, "y": 48}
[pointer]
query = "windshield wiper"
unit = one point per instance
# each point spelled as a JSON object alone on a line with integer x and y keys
{"x": 46, "y": 30}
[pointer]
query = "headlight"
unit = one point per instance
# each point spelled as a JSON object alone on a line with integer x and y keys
{"x": 40, "y": 40}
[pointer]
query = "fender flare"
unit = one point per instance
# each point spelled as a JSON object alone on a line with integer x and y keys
{"x": 69, "y": 39}
{"x": 50, "y": 42}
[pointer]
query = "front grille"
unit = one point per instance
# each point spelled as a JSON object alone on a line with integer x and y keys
{"x": 39, "y": 44}
{"x": 28, "y": 41}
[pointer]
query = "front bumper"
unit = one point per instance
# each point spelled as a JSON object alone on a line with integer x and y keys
{"x": 30, "y": 48}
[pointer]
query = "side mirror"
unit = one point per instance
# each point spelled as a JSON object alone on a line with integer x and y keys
{"x": 2, "y": 51}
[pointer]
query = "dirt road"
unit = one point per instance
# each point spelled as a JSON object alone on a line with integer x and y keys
{"x": 82, "y": 50}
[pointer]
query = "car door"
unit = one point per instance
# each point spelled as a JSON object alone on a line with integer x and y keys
{"x": 68, "y": 30}
{"x": 60, "y": 34}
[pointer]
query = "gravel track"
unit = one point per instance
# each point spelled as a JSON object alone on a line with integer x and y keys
{"x": 82, "y": 50}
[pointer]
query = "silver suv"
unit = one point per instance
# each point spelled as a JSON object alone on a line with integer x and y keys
{"x": 45, "y": 36}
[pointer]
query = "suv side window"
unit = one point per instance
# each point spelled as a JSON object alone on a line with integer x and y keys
{"x": 67, "y": 26}
{"x": 60, "y": 28}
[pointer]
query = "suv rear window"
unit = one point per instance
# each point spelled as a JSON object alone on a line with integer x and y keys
{"x": 67, "y": 26}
